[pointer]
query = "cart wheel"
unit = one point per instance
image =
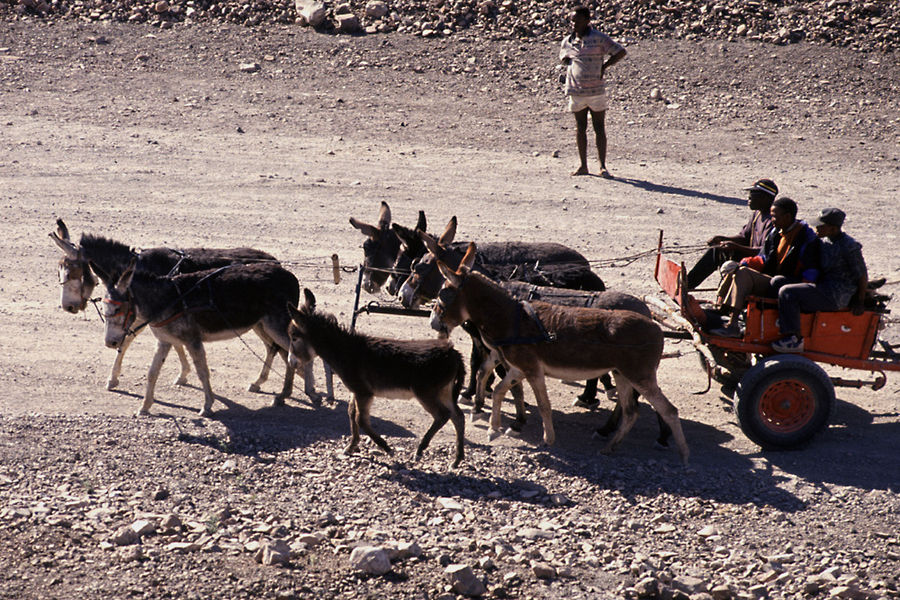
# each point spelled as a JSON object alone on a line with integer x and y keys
{"x": 783, "y": 402}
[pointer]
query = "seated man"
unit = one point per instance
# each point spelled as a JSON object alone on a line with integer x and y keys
{"x": 790, "y": 254}
{"x": 748, "y": 242}
{"x": 842, "y": 282}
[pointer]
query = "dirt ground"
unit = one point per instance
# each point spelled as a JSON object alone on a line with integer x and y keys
{"x": 157, "y": 138}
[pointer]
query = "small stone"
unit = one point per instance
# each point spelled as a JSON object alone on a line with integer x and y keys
{"x": 249, "y": 68}
{"x": 543, "y": 570}
{"x": 370, "y": 559}
{"x": 448, "y": 504}
{"x": 274, "y": 552}
{"x": 143, "y": 527}
{"x": 125, "y": 536}
{"x": 463, "y": 580}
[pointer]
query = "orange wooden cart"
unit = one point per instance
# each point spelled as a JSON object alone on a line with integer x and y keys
{"x": 781, "y": 400}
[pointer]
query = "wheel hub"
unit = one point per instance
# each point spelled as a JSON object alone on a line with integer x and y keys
{"x": 786, "y": 406}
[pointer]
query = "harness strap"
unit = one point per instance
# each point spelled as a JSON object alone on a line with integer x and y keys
{"x": 517, "y": 339}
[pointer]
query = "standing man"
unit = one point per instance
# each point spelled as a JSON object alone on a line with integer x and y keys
{"x": 588, "y": 53}
{"x": 748, "y": 242}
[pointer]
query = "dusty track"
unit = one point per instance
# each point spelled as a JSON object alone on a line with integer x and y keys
{"x": 139, "y": 140}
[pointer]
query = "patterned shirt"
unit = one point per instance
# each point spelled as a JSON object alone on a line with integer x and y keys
{"x": 842, "y": 267}
{"x": 584, "y": 76}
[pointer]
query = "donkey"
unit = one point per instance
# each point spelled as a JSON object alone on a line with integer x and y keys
{"x": 381, "y": 249}
{"x": 540, "y": 339}
{"x": 191, "y": 308}
{"x": 110, "y": 258}
{"x": 611, "y": 300}
{"x": 429, "y": 370}
{"x": 543, "y": 263}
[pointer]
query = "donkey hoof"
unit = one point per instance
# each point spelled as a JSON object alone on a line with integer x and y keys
{"x": 206, "y": 413}
{"x": 253, "y": 388}
{"x": 142, "y": 413}
{"x": 278, "y": 401}
{"x": 112, "y": 384}
{"x": 493, "y": 434}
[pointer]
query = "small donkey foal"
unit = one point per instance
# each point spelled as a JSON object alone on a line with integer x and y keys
{"x": 429, "y": 370}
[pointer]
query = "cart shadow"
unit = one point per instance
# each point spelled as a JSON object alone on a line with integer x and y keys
{"x": 854, "y": 451}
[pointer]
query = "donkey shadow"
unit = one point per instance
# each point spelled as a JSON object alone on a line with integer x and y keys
{"x": 637, "y": 469}
{"x": 299, "y": 423}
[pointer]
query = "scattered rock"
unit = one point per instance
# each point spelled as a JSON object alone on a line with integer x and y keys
{"x": 463, "y": 580}
{"x": 370, "y": 559}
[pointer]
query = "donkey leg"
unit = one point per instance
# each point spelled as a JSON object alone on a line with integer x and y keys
{"x": 352, "y": 411}
{"x": 513, "y": 376}
{"x": 668, "y": 413}
{"x": 485, "y": 369}
{"x": 198, "y": 355}
{"x": 329, "y": 382}
{"x": 271, "y": 350}
{"x": 113, "y": 381}
{"x": 185, "y": 366}
{"x": 475, "y": 360}
{"x": 518, "y": 393}
{"x": 628, "y": 416}
{"x": 539, "y": 387}
{"x": 363, "y": 406}
{"x": 162, "y": 350}
{"x": 438, "y": 412}
{"x": 288, "y": 387}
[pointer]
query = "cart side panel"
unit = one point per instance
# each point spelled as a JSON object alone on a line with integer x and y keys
{"x": 841, "y": 333}
{"x": 838, "y": 333}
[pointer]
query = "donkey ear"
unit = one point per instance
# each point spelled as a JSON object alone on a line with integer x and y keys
{"x": 384, "y": 216}
{"x": 61, "y": 230}
{"x": 431, "y": 243}
{"x": 367, "y": 230}
{"x": 125, "y": 279}
{"x": 405, "y": 234}
{"x": 310, "y": 300}
{"x": 66, "y": 246}
{"x": 449, "y": 232}
{"x": 293, "y": 311}
{"x": 421, "y": 224}
{"x": 452, "y": 277}
{"x": 469, "y": 259}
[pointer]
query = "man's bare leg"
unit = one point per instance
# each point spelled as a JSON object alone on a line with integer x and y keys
{"x": 581, "y": 140}
{"x": 598, "y": 119}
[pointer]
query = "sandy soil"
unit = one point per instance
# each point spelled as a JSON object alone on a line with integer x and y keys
{"x": 157, "y": 138}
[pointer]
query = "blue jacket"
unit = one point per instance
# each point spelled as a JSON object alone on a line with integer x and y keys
{"x": 803, "y": 258}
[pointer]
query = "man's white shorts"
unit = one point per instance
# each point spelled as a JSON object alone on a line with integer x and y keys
{"x": 596, "y": 103}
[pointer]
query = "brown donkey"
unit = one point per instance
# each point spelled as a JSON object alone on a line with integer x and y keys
{"x": 538, "y": 340}
{"x": 429, "y": 370}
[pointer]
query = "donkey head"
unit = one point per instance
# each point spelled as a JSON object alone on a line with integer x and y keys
{"x": 425, "y": 280}
{"x": 119, "y": 310}
{"x": 447, "y": 312}
{"x": 411, "y": 249}
{"x": 379, "y": 250}
{"x": 301, "y": 352}
{"x": 75, "y": 275}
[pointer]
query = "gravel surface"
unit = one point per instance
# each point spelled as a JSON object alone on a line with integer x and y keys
{"x": 159, "y": 136}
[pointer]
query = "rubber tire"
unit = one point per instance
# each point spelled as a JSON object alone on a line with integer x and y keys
{"x": 763, "y": 388}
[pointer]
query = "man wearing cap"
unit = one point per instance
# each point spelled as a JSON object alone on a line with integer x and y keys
{"x": 746, "y": 243}
{"x": 842, "y": 281}
{"x": 587, "y": 54}
{"x": 790, "y": 254}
